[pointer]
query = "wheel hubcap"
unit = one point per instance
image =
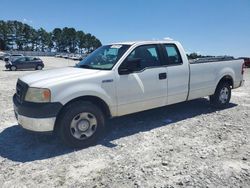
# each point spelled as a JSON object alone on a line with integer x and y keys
{"x": 224, "y": 94}
{"x": 83, "y": 125}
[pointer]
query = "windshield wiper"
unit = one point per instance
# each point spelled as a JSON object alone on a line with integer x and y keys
{"x": 85, "y": 66}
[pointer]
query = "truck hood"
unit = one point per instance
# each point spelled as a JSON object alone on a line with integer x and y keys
{"x": 42, "y": 78}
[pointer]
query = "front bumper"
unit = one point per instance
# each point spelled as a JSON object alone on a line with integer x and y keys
{"x": 36, "y": 124}
{"x": 37, "y": 117}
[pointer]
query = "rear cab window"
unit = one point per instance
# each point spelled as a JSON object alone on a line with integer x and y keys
{"x": 172, "y": 54}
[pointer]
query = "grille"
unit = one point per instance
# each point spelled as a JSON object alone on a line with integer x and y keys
{"x": 21, "y": 89}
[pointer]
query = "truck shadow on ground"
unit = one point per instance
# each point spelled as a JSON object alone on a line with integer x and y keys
{"x": 19, "y": 145}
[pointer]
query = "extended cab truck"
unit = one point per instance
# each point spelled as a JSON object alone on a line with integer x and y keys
{"x": 115, "y": 80}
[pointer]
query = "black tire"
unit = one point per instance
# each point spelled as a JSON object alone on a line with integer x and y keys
{"x": 222, "y": 95}
{"x": 69, "y": 114}
{"x": 13, "y": 68}
{"x": 39, "y": 67}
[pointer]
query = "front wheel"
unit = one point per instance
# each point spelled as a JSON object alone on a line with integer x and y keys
{"x": 13, "y": 68}
{"x": 222, "y": 95}
{"x": 39, "y": 67}
{"x": 81, "y": 124}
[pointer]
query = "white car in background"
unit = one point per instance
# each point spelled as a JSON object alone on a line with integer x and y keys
{"x": 3, "y": 55}
{"x": 76, "y": 57}
{"x": 13, "y": 57}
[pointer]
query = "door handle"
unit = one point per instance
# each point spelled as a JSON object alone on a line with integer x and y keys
{"x": 162, "y": 76}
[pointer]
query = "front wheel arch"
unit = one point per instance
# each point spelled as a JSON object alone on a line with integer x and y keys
{"x": 66, "y": 122}
{"x": 92, "y": 99}
{"x": 13, "y": 67}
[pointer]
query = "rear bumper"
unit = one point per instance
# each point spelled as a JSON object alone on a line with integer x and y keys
{"x": 37, "y": 117}
{"x": 238, "y": 84}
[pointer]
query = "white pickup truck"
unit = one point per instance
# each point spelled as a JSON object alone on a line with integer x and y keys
{"x": 115, "y": 80}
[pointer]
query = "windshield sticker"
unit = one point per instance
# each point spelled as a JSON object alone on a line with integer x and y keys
{"x": 116, "y": 46}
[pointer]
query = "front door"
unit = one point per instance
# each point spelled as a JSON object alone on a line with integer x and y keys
{"x": 21, "y": 63}
{"x": 144, "y": 88}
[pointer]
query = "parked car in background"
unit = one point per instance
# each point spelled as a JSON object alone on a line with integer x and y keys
{"x": 25, "y": 62}
{"x": 58, "y": 55}
{"x": 2, "y": 55}
{"x": 246, "y": 61}
{"x": 76, "y": 57}
{"x": 66, "y": 56}
{"x": 12, "y": 57}
{"x": 84, "y": 55}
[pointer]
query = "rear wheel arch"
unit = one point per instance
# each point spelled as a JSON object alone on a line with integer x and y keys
{"x": 222, "y": 94}
{"x": 226, "y": 79}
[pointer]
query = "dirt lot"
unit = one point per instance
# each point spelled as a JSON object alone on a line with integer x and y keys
{"x": 188, "y": 144}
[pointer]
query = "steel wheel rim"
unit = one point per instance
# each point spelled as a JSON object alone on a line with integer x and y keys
{"x": 13, "y": 68}
{"x": 224, "y": 95}
{"x": 83, "y": 125}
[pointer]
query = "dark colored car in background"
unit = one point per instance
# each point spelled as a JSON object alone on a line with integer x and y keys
{"x": 247, "y": 61}
{"x": 25, "y": 62}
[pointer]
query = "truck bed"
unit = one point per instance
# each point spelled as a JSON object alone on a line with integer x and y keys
{"x": 205, "y": 75}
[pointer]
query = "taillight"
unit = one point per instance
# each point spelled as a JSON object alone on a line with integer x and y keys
{"x": 242, "y": 68}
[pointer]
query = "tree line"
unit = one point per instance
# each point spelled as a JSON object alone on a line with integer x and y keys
{"x": 15, "y": 35}
{"x": 195, "y": 56}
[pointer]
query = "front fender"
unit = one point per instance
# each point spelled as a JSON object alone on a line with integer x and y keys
{"x": 67, "y": 94}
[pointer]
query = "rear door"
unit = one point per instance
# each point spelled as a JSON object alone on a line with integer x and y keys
{"x": 178, "y": 73}
{"x": 30, "y": 62}
{"x": 146, "y": 88}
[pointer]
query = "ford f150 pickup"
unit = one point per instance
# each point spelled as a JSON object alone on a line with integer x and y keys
{"x": 116, "y": 80}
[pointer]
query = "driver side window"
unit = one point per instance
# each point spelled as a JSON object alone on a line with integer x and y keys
{"x": 147, "y": 55}
{"x": 21, "y": 60}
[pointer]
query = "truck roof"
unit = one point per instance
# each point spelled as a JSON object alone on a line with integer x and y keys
{"x": 144, "y": 42}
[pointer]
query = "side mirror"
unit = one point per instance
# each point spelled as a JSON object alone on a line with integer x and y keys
{"x": 129, "y": 66}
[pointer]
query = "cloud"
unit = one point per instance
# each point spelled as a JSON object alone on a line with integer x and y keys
{"x": 167, "y": 38}
{"x": 27, "y": 20}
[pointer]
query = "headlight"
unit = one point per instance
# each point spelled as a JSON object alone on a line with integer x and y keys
{"x": 39, "y": 95}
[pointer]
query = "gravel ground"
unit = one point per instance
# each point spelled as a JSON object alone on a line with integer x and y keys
{"x": 184, "y": 145}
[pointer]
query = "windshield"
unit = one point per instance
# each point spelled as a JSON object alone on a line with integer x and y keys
{"x": 104, "y": 58}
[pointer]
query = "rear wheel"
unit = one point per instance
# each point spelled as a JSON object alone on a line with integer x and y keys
{"x": 81, "y": 124}
{"x": 13, "y": 68}
{"x": 222, "y": 95}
